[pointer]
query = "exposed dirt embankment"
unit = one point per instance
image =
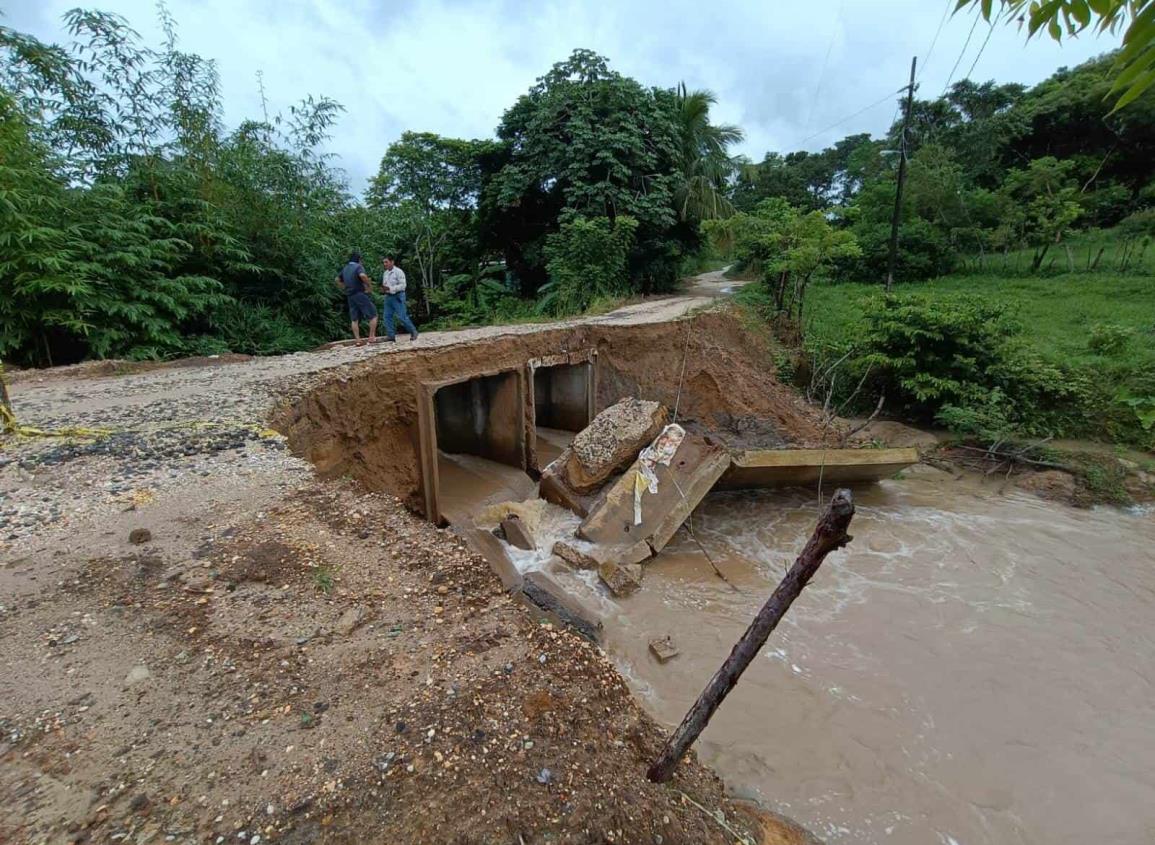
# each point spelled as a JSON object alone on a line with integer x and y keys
{"x": 363, "y": 422}
{"x": 201, "y": 642}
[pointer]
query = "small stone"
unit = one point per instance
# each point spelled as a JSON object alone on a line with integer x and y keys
{"x": 137, "y": 674}
{"x": 349, "y": 621}
{"x": 545, "y": 776}
{"x": 140, "y": 536}
{"x": 622, "y": 579}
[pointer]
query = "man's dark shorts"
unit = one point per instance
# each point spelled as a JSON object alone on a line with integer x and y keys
{"x": 361, "y": 307}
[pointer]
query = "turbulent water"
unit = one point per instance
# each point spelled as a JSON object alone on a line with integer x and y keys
{"x": 976, "y": 667}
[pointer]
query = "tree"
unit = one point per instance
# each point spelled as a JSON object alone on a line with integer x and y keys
{"x": 1044, "y": 204}
{"x": 788, "y": 245}
{"x": 705, "y": 159}
{"x": 1134, "y": 69}
{"x": 586, "y": 140}
{"x": 436, "y": 183}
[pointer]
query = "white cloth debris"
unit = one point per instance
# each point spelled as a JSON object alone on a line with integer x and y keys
{"x": 661, "y": 451}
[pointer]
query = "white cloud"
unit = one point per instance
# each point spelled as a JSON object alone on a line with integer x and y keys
{"x": 453, "y": 66}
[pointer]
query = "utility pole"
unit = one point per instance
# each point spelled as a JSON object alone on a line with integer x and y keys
{"x": 901, "y": 179}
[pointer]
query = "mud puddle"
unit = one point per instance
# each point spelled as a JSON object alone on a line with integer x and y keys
{"x": 975, "y": 668}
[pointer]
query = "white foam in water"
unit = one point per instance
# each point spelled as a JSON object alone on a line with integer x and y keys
{"x": 555, "y": 524}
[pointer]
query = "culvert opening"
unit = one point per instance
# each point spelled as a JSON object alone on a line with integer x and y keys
{"x": 473, "y": 443}
{"x": 563, "y": 400}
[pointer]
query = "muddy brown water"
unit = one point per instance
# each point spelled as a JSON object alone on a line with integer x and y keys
{"x": 975, "y": 668}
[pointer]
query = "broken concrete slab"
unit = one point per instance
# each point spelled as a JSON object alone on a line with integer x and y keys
{"x": 621, "y": 578}
{"x": 696, "y": 467}
{"x": 517, "y": 533}
{"x": 608, "y": 444}
{"x": 554, "y": 489}
{"x": 664, "y": 649}
{"x": 547, "y": 595}
{"x": 582, "y": 555}
{"x": 794, "y": 467}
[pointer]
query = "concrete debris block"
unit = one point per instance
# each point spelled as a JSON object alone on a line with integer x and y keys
{"x": 575, "y": 555}
{"x": 610, "y": 443}
{"x": 349, "y": 621}
{"x": 663, "y": 649}
{"x": 582, "y": 555}
{"x": 554, "y": 489}
{"x": 695, "y": 468}
{"x": 517, "y": 533}
{"x": 621, "y": 578}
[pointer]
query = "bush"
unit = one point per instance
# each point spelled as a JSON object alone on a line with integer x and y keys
{"x": 958, "y": 360}
{"x": 1109, "y": 338}
{"x": 924, "y": 252}
{"x": 587, "y": 260}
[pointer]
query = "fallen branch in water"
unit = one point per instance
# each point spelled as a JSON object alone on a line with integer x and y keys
{"x": 829, "y": 535}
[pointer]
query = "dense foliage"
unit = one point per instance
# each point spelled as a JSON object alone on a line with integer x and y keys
{"x": 1003, "y": 183}
{"x": 134, "y": 223}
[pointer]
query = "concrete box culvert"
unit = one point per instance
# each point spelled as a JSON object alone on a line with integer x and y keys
{"x": 482, "y": 414}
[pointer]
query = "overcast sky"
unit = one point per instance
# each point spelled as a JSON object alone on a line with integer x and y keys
{"x": 786, "y": 72}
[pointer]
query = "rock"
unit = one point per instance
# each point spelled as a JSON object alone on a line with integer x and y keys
{"x": 554, "y": 489}
{"x": 140, "y": 536}
{"x": 576, "y": 556}
{"x": 609, "y": 444}
{"x": 517, "y": 534}
{"x": 621, "y": 578}
{"x": 663, "y": 649}
{"x": 136, "y": 675}
{"x": 349, "y": 621}
{"x": 582, "y": 555}
{"x": 1053, "y": 484}
{"x": 545, "y": 776}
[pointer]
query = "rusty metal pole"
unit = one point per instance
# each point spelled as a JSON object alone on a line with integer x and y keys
{"x": 829, "y": 535}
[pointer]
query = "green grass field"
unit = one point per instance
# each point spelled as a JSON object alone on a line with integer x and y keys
{"x": 1058, "y": 313}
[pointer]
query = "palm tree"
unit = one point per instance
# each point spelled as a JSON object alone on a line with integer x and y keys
{"x": 706, "y": 162}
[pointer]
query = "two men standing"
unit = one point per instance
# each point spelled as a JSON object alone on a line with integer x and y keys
{"x": 356, "y": 285}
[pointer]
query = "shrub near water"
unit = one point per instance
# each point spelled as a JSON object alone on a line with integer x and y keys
{"x": 960, "y": 361}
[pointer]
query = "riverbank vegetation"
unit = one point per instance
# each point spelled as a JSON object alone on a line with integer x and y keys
{"x": 1024, "y": 302}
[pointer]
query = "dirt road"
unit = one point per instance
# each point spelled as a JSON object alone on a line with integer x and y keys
{"x": 201, "y": 642}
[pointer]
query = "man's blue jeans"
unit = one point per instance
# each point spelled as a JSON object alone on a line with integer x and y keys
{"x": 395, "y": 308}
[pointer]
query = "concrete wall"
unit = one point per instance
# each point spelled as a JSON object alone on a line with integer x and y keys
{"x": 482, "y": 416}
{"x": 561, "y": 396}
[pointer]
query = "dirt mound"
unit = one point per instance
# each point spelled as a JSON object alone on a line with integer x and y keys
{"x": 363, "y": 420}
{"x": 225, "y": 696}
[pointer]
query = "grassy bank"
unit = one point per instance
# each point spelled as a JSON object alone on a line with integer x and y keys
{"x": 1065, "y": 318}
{"x": 1065, "y": 356}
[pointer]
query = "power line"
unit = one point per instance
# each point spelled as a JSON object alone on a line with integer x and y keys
{"x": 876, "y": 103}
{"x": 945, "y": 14}
{"x": 986, "y": 41}
{"x": 825, "y": 62}
{"x": 958, "y": 61}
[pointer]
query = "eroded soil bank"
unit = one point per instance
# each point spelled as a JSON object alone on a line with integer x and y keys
{"x": 364, "y": 423}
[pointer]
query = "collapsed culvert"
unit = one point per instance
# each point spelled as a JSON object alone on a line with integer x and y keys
{"x": 507, "y": 429}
